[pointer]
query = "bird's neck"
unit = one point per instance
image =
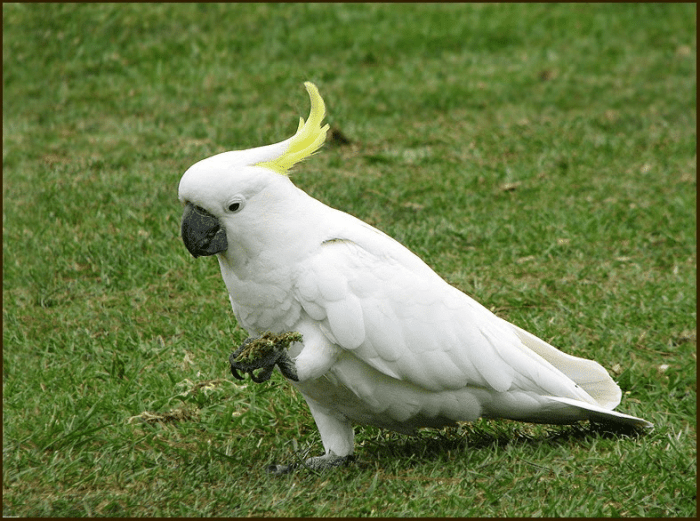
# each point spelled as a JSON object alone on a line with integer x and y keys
{"x": 264, "y": 262}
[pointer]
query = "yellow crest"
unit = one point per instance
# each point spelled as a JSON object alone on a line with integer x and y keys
{"x": 308, "y": 139}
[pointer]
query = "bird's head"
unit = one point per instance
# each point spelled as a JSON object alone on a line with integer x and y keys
{"x": 240, "y": 198}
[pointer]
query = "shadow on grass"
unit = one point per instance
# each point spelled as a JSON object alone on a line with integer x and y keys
{"x": 431, "y": 445}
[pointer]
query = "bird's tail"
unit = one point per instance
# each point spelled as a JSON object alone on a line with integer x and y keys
{"x": 600, "y": 415}
{"x": 591, "y": 377}
{"x": 588, "y": 374}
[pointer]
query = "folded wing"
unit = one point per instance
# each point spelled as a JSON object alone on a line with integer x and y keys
{"x": 376, "y": 299}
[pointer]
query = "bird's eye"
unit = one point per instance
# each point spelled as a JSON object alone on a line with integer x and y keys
{"x": 234, "y": 207}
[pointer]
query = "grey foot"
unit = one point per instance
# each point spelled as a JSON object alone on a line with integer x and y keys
{"x": 318, "y": 463}
{"x": 276, "y": 355}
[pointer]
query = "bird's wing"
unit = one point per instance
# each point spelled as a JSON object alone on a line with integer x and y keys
{"x": 375, "y": 298}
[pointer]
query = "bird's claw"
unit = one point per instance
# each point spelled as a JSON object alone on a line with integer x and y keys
{"x": 318, "y": 463}
{"x": 266, "y": 363}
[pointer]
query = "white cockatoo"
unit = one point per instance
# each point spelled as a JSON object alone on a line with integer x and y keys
{"x": 385, "y": 340}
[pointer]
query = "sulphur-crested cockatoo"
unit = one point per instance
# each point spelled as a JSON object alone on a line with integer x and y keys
{"x": 385, "y": 340}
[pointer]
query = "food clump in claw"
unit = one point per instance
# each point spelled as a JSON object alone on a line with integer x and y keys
{"x": 264, "y": 353}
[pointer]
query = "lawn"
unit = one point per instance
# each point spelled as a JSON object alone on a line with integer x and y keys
{"x": 540, "y": 157}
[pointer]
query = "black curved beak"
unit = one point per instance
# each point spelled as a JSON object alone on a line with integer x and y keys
{"x": 201, "y": 232}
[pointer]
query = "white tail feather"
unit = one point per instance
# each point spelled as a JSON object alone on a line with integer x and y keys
{"x": 588, "y": 374}
{"x": 601, "y": 415}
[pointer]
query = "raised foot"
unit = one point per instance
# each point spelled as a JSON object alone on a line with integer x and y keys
{"x": 318, "y": 463}
{"x": 264, "y": 353}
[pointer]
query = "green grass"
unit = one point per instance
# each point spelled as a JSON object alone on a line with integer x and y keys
{"x": 541, "y": 158}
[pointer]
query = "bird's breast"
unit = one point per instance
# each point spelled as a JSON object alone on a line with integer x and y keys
{"x": 262, "y": 306}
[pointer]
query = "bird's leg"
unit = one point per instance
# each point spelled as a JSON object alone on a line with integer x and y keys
{"x": 264, "y": 353}
{"x": 337, "y": 437}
